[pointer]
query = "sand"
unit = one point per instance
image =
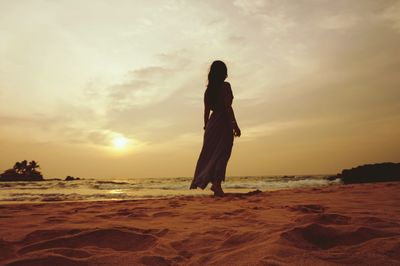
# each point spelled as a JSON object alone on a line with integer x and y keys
{"x": 335, "y": 225}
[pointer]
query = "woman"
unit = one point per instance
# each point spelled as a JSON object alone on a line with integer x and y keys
{"x": 220, "y": 128}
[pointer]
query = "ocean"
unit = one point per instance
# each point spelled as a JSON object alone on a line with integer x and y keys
{"x": 142, "y": 188}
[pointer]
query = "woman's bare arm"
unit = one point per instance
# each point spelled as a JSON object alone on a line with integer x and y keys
{"x": 206, "y": 114}
{"x": 236, "y": 129}
{"x": 229, "y": 110}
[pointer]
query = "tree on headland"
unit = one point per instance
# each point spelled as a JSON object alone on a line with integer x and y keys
{"x": 22, "y": 171}
{"x": 31, "y": 167}
{"x": 19, "y": 167}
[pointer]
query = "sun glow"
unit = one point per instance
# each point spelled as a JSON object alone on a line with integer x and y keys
{"x": 120, "y": 142}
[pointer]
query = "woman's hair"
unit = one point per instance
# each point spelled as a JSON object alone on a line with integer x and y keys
{"x": 218, "y": 73}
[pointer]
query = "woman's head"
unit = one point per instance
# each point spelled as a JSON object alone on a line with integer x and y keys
{"x": 218, "y": 72}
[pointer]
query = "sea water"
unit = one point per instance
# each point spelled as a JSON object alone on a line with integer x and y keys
{"x": 142, "y": 188}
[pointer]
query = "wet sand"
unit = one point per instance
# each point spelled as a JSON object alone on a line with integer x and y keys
{"x": 334, "y": 225}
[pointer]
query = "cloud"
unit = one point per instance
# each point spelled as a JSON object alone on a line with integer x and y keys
{"x": 299, "y": 76}
{"x": 150, "y": 85}
{"x": 145, "y": 86}
{"x": 392, "y": 14}
{"x": 146, "y": 107}
{"x": 250, "y": 7}
{"x": 339, "y": 22}
{"x": 300, "y": 71}
{"x": 254, "y": 132}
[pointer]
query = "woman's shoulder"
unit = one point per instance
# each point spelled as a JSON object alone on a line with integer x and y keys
{"x": 227, "y": 86}
{"x": 227, "y": 89}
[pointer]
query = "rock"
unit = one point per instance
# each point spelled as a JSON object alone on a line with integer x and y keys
{"x": 22, "y": 171}
{"x": 11, "y": 175}
{"x": 332, "y": 177}
{"x": 380, "y": 172}
{"x": 71, "y": 178}
{"x": 254, "y": 192}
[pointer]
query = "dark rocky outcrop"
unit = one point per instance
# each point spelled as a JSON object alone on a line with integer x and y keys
{"x": 12, "y": 176}
{"x": 71, "y": 178}
{"x": 27, "y": 171}
{"x": 22, "y": 171}
{"x": 332, "y": 177}
{"x": 380, "y": 172}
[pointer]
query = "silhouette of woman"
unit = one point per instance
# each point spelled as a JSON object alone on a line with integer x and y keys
{"x": 220, "y": 129}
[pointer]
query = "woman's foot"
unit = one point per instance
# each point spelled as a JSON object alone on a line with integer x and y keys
{"x": 218, "y": 192}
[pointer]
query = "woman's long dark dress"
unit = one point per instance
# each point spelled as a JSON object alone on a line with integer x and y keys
{"x": 217, "y": 142}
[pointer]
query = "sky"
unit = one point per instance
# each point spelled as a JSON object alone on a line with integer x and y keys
{"x": 114, "y": 89}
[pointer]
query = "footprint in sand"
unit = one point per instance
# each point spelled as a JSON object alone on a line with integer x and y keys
{"x": 56, "y": 219}
{"x": 307, "y": 208}
{"x": 70, "y": 252}
{"x": 117, "y": 239}
{"x": 176, "y": 204}
{"x": 48, "y": 260}
{"x": 164, "y": 214}
{"x": 155, "y": 260}
{"x": 317, "y": 236}
{"x": 324, "y": 218}
{"x": 7, "y": 250}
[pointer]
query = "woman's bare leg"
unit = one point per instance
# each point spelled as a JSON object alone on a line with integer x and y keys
{"x": 217, "y": 189}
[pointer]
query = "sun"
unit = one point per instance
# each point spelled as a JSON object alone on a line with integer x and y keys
{"x": 119, "y": 142}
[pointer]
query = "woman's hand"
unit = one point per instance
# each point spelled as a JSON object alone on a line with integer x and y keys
{"x": 236, "y": 130}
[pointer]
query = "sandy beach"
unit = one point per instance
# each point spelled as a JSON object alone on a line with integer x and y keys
{"x": 333, "y": 225}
